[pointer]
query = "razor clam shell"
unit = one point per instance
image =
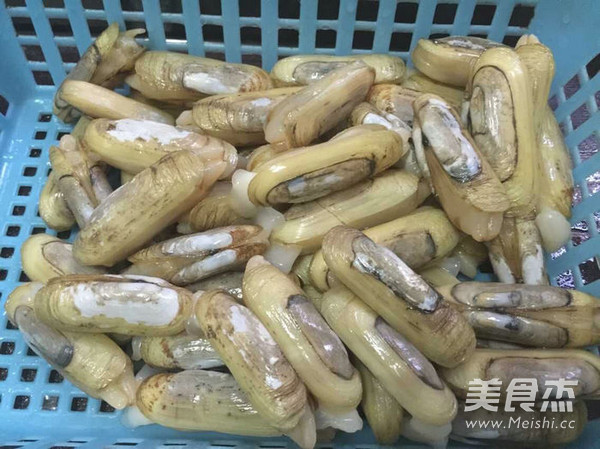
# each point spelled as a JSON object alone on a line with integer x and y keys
{"x": 230, "y": 281}
{"x": 181, "y": 351}
{"x": 500, "y": 296}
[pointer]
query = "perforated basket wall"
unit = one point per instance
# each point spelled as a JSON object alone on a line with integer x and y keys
{"x": 41, "y": 41}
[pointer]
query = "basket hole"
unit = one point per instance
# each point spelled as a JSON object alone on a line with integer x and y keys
{"x": 35, "y": 152}
{"x": 54, "y": 3}
{"x": 10, "y": 326}
{"x": 38, "y": 230}
{"x": 28, "y": 374}
{"x": 106, "y": 408}
{"x": 7, "y": 252}
{"x": 250, "y": 35}
{"x": 400, "y": 41}
{"x": 7, "y": 347}
{"x": 3, "y": 105}
{"x": 97, "y": 26}
{"x": 580, "y": 116}
{"x": 50, "y": 403}
{"x": 406, "y": 12}
{"x": 590, "y": 271}
{"x": 252, "y": 59}
{"x": 288, "y": 37}
{"x": 125, "y": 443}
{"x": 55, "y": 377}
{"x": 588, "y": 147}
{"x": 18, "y": 210}
{"x": 21, "y": 402}
{"x": 24, "y": 191}
{"x": 61, "y": 27}
{"x": 325, "y": 38}
{"x": 479, "y": 35}
{"x": 521, "y": 16}
{"x": 133, "y": 24}
{"x": 13, "y": 231}
{"x": 69, "y": 54}
{"x": 3, "y": 274}
{"x": 565, "y": 279}
{"x": 15, "y": 3}
{"x": 31, "y": 352}
{"x": 79, "y": 404}
{"x": 559, "y": 252}
{"x": 510, "y": 40}
{"x": 553, "y": 102}
{"x": 580, "y": 233}
{"x": 133, "y": 5}
{"x": 3, "y": 374}
{"x": 289, "y": 10}
{"x": 593, "y": 183}
{"x": 29, "y": 171}
{"x": 328, "y": 10}
{"x": 175, "y": 31}
{"x": 33, "y": 53}
{"x": 23, "y": 26}
{"x": 483, "y": 15}
{"x": 40, "y": 135}
{"x": 210, "y": 7}
{"x": 172, "y": 7}
{"x": 42, "y": 78}
{"x": 249, "y": 9}
{"x": 445, "y": 13}
{"x": 64, "y": 234}
{"x": 212, "y": 33}
{"x": 23, "y": 277}
{"x": 438, "y": 36}
{"x": 366, "y": 10}
{"x": 571, "y": 87}
{"x": 92, "y": 4}
{"x": 363, "y": 39}
{"x": 593, "y": 67}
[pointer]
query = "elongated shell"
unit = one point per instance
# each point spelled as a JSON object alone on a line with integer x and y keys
{"x": 302, "y": 117}
{"x": 540, "y": 316}
{"x": 419, "y": 238}
{"x": 532, "y": 436}
{"x": 200, "y": 400}
{"x": 254, "y": 358}
{"x": 402, "y": 370}
{"x": 304, "y": 337}
{"x": 180, "y": 351}
{"x": 384, "y": 414}
{"x": 44, "y": 257}
{"x": 308, "y": 173}
{"x": 422, "y": 83}
{"x": 133, "y": 145}
{"x": 540, "y": 365}
{"x": 173, "y": 76}
{"x": 93, "y": 363}
{"x": 501, "y": 121}
{"x": 449, "y": 60}
{"x": 131, "y": 305}
{"x": 98, "y": 102}
{"x": 393, "y": 194}
{"x": 399, "y": 295}
{"x": 190, "y": 258}
{"x": 238, "y": 118}
{"x": 466, "y": 185}
{"x": 140, "y": 209}
{"x": 230, "y": 281}
{"x": 264, "y": 154}
{"x": 53, "y": 208}
{"x": 307, "y": 69}
{"x": 395, "y": 100}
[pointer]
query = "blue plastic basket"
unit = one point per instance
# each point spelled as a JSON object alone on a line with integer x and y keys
{"x": 40, "y": 410}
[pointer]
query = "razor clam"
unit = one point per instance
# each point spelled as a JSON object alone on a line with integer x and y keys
{"x": 402, "y": 370}
{"x": 134, "y": 213}
{"x": 305, "y": 174}
{"x": 164, "y": 75}
{"x": 301, "y": 270}
{"x": 449, "y": 60}
{"x": 500, "y": 117}
{"x": 255, "y": 360}
{"x": 53, "y": 207}
{"x": 418, "y": 238}
{"x": 238, "y": 118}
{"x": 264, "y": 154}
{"x": 181, "y": 351}
{"x": 308, "y": 343}
{"x": 531, "y": 436}
{"x": 302, "y": 117}
{"x": 99, "y": 102}
{"x": 467, "y": 187}
{"x": 384, "y": 414}
{"x": 93, "y": 363}
{"x": 391, "y": 195}
{"x": 421, "y": 83}
{"x": 193, "y": 257}
{"x": 307, "y": 69}
{"x": 395, "y": 100}
{"x": 529, "y": 315}
{"x": 130, "y": 305}
{"x": 230, "y": 281}
{"x": 44, "y": 257}
{"x": 133, "y": 145}
{"x": 399, "y": 295}
{"x": 545, "y": 365}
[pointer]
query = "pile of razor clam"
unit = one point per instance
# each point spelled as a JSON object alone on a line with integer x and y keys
{"x": 285, "y": 246}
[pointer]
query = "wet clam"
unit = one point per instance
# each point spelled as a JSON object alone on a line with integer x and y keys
{"x": 421, "y": 83}
{"x": 131, "y": 305}
{"x": 381, "y": 279}
{"x": 53, "y": 207}
{"x": 395, "y": 100}
{"x": 400, "y": 368}
{"x": 230, "y": 282}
